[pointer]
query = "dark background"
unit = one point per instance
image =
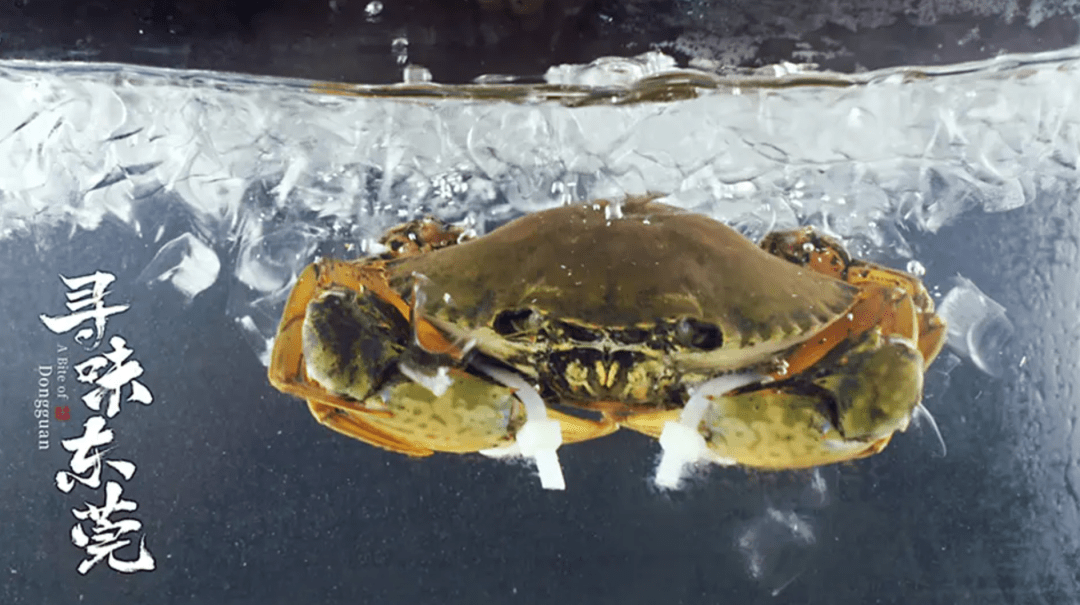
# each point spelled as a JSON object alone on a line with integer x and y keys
{"x": 460, "y": 39}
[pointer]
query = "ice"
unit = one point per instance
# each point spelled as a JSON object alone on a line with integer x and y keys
{"x": 775, "y": 545}
{"x": 782, "y": 536}
{"x": 611, "y": 71}
{"x": 978, "y": 326}
{"x": 268, "y": 262}
{"x": 915, "y": 268}
{"x": 921, "y": 149}
{"x": 372, "y": 10}
{"x": 253, "y": 333}
{"x": 938, "y": 378}
{"x": 186, "y": 263}
{"x": 415, "y": 74}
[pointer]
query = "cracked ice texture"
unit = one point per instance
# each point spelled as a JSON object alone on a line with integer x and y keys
{"x": 282, "y": 170}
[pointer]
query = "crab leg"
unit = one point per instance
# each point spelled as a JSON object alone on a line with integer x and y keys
{"x": 356, "y": 426}
{"x": 538, "y": 438}
{"x": 830, "y": 258}
{"x": 931, "y": 337}
{"x": 681, "y": 442}
{"x": 890, "y": 308}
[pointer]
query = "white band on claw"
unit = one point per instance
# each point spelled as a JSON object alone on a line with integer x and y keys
{"x": 538, "y": 438}
{"x": 681, "y": 443}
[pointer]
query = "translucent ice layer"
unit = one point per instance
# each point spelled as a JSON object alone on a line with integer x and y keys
{"x": 247, "y": 156}
{"x": 273, "y": 172}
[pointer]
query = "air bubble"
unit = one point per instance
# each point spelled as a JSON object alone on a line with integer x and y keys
{"x": 613, "y": 210}
{"x": 373, "y": 10}
{"x": 400, "y": 49}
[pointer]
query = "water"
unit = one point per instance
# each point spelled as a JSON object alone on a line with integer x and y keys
{"x": 204, "y": 194}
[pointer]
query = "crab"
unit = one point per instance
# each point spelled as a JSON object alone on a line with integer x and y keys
{"x": 568, "y": 324}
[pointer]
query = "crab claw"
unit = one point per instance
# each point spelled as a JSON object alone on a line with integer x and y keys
{"x": 539, "y": 438}
{"x": 681, "y": 442}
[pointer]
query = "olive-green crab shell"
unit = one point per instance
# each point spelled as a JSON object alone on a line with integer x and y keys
{"x": 608, "y": 266}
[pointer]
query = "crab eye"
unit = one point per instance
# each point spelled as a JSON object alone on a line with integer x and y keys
{"x": 631, "y": 336}
{"x": 578, "y": 333}
{"x": 698, "y": 334}
{"x": 515, "y": 321}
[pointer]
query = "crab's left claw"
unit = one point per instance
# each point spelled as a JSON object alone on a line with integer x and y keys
{"x": 539, "y": 438}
